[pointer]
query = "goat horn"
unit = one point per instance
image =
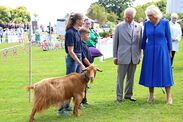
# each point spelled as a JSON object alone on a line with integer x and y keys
{"x": 99, "y": 70}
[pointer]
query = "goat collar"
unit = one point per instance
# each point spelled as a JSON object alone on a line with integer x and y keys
{"x": 85, "y": 76}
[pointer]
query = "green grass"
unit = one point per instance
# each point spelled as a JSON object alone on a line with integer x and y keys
{"x": 15, "y": 106}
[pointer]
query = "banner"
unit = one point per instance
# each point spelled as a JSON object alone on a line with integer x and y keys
{"x": 105, "y": 45}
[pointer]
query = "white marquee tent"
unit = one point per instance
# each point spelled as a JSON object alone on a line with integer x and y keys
{"x": 174, "y": 6}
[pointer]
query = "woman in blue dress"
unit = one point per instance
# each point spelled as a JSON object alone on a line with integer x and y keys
{"x": 157, "y": 45}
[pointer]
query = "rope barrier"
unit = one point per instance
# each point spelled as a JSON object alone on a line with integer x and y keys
{"x": 11, "y": 47}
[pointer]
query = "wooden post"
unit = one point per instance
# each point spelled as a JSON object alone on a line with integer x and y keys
{"x": 30, "y": 58}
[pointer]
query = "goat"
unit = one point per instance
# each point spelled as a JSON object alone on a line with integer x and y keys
{"x": 54, "y": 91}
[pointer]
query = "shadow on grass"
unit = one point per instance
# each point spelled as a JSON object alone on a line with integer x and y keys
{"x": 104, "y": 110}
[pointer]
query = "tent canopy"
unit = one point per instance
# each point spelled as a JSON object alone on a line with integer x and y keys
{"x": 174, "y": 6}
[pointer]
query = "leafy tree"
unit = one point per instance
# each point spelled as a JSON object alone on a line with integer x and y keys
{"x": 141, "y": 9}
{"x": 140, "y": 15}
{"x": 17, "y": 15}
{"x": 112, "y": 17}
{"x": 20, "y": 15}
{"x": 97, "y": 12}
{"x": 162, "y": 6}
{"x": 116, "y": 6}
{"x": 5, "y": 16}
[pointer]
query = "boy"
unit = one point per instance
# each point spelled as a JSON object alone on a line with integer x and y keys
{"x": 87, "y": 59}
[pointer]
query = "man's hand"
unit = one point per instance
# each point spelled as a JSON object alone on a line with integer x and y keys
{"x": 115, "y": 61}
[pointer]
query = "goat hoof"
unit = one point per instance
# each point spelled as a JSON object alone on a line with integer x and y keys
{"x": 77, "y": 115}
{"x": 31, "y": 120}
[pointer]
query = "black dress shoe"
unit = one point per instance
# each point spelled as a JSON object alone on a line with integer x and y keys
{"x": 131, "y": 99}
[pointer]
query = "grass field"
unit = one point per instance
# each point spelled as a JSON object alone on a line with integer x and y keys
{"x": 15, "y": 106}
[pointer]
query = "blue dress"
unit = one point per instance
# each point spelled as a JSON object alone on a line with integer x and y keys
{"x": 156, "y": 66}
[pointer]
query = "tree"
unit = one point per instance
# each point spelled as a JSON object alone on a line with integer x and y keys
{"x": 116, "y": 6}
{"x": 112, "y": 17}
{"x": 5, "y": 16}
{"x": 20, "y": 15}
{"x": 162, "y": 6}
{"x": 141, "y": 9}
{"x": 140, "y": 15}
{"x": 97, "y": 12}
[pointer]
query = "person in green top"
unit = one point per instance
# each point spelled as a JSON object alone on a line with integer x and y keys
{"x": 92, "y": 41}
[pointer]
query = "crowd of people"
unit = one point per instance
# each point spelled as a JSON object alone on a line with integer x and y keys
{"x": 12, "y": 35}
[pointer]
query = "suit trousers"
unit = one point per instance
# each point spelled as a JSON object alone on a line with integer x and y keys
{"x": 123, "y": 70}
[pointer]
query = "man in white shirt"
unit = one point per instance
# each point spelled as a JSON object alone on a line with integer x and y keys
{"x": 176, "y": 34}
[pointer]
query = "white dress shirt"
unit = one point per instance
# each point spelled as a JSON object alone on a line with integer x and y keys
{"x": 176, "y": 34}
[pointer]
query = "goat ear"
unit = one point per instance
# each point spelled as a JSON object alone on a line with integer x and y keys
{"x": 99, "y": 70}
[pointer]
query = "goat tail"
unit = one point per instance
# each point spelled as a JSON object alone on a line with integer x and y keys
{"x": 29, "y": 88}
